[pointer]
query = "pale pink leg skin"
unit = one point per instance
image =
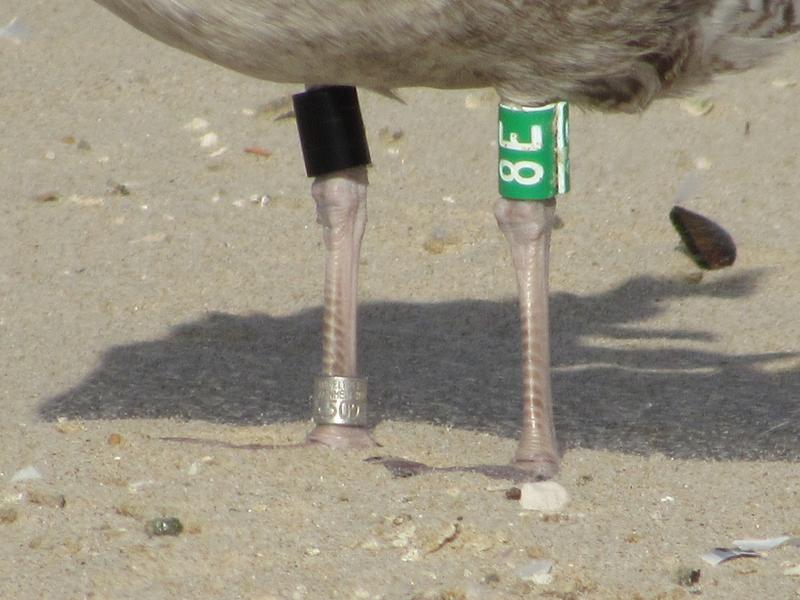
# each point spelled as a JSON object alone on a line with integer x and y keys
{"x": 527, "y": 227}
{"x": 341, "y": 199}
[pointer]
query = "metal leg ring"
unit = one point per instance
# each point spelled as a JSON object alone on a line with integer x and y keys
{"x": 340, "y": 400}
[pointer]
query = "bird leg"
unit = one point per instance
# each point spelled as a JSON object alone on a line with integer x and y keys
{"x": 527, "y": 226}
{"x": 336, "y": 154}
{"x": 341, "y": 199}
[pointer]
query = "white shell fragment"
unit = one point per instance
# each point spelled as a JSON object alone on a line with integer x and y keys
{"x": 761, "y": 545}
{"x": 544, "y": 496}
{"x": 196, "y": 124}
{"x": 765, "y": 544}
{"x": 539, "y": 571}
{"x": 209, "y": 140}
{"x": 702, "y": 163}
{"x": 137, "y": 486}
{"x": 697, "y": 107}
{"x": 748, "y": 548}
{"x": 27, "y": 474}
{"x": 720, "y": 555}
{"x": 793, "y": 571}
{"x": 483, "y": 98}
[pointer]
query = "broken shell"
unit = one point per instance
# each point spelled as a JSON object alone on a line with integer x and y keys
{"x": 544, "y": 496}
{"x": 709, "y": 245}
{"x": 697, "y": 107}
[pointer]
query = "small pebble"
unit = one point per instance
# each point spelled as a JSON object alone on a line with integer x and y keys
{"x": 687, "y": 576}
{"x": 46, "y": 197}
{"x": 702, "y": 163}
{"x": 539, "y": 571}
{"x": 411, "y": 556}
{"x": 209, "y": 140}
{"x": 277, "y": 109}
{"x": 261, "y": 200}
{"x": 434, "y": 246}
{"x": 535, "y": 552}
{"x": 117, "y": 189}
{"x": 441, "y": 240}
{"x": 401, "y": 519}
{"x": 164, "y": 526}
{"x": 114, "y": 439}
{"x": 390, "y": 136}
{"x": 544, "y": 496}
{"x": 66, "y": 426}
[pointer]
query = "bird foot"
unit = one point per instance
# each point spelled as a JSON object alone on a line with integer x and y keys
{"x": 341, "y": 437}
{"x": 541, "y": 465}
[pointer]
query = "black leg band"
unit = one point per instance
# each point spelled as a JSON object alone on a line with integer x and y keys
{"x": 331, "y": 129}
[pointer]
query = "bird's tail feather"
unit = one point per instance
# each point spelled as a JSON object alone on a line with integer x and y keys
{"x": 739, "y": 34}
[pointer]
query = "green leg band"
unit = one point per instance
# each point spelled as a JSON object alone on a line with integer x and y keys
{"x": 533, "y": 144}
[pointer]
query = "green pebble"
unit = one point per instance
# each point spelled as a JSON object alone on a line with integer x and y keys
{"x": 164, "y": 526}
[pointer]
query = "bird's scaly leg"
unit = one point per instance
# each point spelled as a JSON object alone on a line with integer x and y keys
{"x": 527, "y": 226}
{"x": 341, "y": 199}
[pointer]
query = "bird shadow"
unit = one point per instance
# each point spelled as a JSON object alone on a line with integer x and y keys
{"x": 456, "y": 363}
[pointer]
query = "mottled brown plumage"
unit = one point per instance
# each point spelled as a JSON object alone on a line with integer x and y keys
{"x": 600, "y": 53}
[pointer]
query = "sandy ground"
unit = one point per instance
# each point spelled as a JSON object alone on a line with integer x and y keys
{"x": 153, "y": 287}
